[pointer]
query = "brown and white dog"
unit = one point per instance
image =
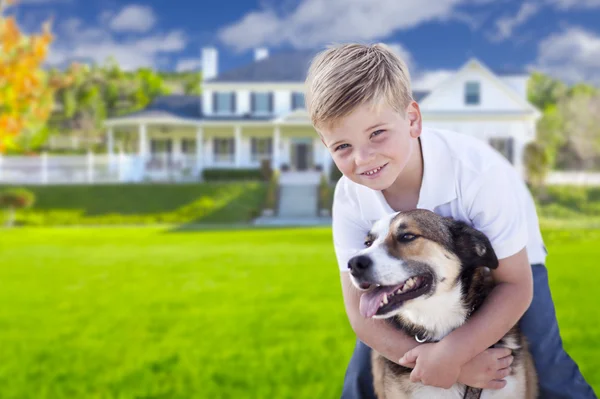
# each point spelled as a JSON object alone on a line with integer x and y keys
{"x": 427, "y": 274}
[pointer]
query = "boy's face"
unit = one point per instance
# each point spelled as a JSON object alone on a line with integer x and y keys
{"x": 372, "y": 145}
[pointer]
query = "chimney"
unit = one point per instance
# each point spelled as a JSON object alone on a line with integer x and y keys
{"x": 210, "y": 63}
{"x": 260, "y": 53}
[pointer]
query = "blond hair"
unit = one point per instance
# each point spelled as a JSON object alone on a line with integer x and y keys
{"x": 344, "y": 77}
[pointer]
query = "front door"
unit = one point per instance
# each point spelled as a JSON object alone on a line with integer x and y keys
{"x": 302, "y": 150}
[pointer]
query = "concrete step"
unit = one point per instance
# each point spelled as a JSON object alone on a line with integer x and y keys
{"x": 298, "y": 201}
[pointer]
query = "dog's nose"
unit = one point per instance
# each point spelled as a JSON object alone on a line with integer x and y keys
{"x": 359, "y": 264}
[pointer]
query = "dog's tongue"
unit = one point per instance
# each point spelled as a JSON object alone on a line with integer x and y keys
{"x": 369, "y": 301}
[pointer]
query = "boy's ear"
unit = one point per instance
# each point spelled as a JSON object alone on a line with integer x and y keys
{"x": 472, "y": 246}
{"x": 413, "y": 113}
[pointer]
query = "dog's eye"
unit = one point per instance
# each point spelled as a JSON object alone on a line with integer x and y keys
{"x": 368, "y": 243}
{"x": 407, "y": 237}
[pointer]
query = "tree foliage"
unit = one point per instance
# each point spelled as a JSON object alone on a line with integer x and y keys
{"x": 26, "y": 90}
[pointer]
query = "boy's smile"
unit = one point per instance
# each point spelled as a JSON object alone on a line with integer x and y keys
{"x": 374, "y": 144}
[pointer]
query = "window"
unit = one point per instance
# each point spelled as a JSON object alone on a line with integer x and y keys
{"x": 224, "y": 102}
{"x": 261, "y": 103}
{"x": 472, "y": 93}
{"x": 297, "y": 100}
{"x": 160, "y": 146}
{"x": 188, "y": 146}
{"x": 262, "y": 148}
{"x": 223, "y": 150}
{"x": 504, "y": 146}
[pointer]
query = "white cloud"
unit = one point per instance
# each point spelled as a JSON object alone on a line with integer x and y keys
{"x": 76, "y": 41}
{"x": 428, "y": 80}
{"x": 189, "y": 64}
{"x": 506, "y": 25}
{"x": 134, "y": 18}
{"x": 317, "y": 22}
{"x": 574, "y": 4}
{"x": 572, "y": 55}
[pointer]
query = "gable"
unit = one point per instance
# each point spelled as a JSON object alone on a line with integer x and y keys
{"x": 494, "y": 94}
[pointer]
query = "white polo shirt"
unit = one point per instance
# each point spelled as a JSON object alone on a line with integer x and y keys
{"x": 463, "y": 178}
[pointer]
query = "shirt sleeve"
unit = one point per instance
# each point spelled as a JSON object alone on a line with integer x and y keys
{"x": 349, "y": 230}
{"x": 497, "y": 211}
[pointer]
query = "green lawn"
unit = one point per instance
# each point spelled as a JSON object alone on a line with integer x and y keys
{"x": 148, "y": 203}
{"x": 157, "y": 313}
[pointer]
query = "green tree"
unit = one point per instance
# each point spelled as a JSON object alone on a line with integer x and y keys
{"x": 543, "y": 90}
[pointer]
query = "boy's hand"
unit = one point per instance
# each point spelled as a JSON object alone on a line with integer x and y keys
{"x": 433, "y": 364}
{"x": 488, "y": 369}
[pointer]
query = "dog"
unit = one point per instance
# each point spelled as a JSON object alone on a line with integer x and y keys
{"x": 426, "y": 275}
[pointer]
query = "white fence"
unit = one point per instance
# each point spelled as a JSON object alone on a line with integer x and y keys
{"x": 577, "y": 178}
{"x": 94, "y": 168}
{"x": 123, "y": 168}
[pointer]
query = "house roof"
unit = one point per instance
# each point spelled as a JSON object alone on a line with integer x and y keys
{"x": 173, "y": 106}
{"x": 292, "y": 66}
{"x": 289, "y": 66}
{"x": 419, "y": 94}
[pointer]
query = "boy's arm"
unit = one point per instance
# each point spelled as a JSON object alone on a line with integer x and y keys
{"x": 440, "y": 364}
{"x": 486, "y": 370}
{"x": 501, "y": 310}
{"x": 496, "y": 209}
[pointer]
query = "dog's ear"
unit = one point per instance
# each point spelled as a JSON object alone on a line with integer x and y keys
{"x": 472, "y": 246}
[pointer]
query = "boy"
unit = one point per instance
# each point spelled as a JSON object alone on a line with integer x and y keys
{"x": 360, "y": 102}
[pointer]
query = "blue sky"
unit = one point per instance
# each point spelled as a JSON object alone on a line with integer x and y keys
{"x": 560, "y": 37}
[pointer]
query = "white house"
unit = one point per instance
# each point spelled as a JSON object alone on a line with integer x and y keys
{"x": 257, "y": 112}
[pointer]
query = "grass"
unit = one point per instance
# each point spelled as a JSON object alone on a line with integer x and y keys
{"x": 163, "y": 313}
{"x": 144, "y": 204}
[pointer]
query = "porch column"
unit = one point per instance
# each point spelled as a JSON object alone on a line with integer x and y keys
{"x": 110, "y": 143}
{"x": 238, "y": 146}
{"x": 110, "y": 147}
{"x": 276, "y": 144}
{"x": 199, "y": 149}
{"x": 143, "y": 145}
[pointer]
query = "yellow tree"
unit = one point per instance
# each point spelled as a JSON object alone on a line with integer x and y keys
{"x": 26, "y": 92}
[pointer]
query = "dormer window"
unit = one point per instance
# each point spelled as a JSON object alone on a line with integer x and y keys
{"x": 297, "y": 100}
{"x": 261, "y": 103}
{"x": 472, "y": 93}
{"x": 224, "y": 102}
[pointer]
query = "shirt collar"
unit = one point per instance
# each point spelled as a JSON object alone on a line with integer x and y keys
{"x": 437, "y": 187}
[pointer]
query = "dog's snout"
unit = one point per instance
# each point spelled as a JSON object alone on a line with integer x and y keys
{"x": 359, "y": 264}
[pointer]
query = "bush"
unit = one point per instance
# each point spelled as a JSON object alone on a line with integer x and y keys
{"x": 231, "y": 174}
{"x": 272, "y": 191}
{"x": 15, "y": 198}
{"x": 572, "y": 197}
{"x": 325, "y": 194}
{"x": 265, "y": 170}
{"x": 334, "y": 173}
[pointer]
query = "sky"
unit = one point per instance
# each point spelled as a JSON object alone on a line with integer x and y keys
{"x": 435, "y": 37}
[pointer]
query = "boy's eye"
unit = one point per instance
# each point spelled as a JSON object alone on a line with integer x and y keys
{"x": 377, "y": 132}
{"x": 340, "y": 147}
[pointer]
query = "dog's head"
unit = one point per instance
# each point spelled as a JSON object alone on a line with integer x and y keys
{"x": 411, "y": 256}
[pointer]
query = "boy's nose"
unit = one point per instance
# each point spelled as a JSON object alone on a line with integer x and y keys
{"x": 364, "y": 157}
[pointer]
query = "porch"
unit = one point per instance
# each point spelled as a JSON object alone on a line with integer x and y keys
{"x": 174, "y": 148}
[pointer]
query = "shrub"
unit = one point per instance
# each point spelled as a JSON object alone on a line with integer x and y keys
{"x": 334, "y": 173}
{"x": 231, "y": 174}
{"x": 15, "y": 198}
{"x": 272, "y": 191}
{"x": 325, "y": 194}
{"x": 266, "y": 171}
